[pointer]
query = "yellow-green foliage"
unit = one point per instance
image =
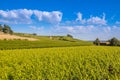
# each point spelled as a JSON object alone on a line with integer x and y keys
{"x": 67, "y": 63}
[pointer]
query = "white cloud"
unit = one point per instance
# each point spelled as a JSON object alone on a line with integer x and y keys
{"x": 53, "y": 17}
{"x": 89, "y": 32}
{"x": 65, "y": 29}
{"x": 91, "y": 20}
{"x": 23, "y": 16}
{"x": 16, "y": 16}
{"x": 75, "y": 29}
{"x": 97, "y": 20}
{"x": 79, "y": 16}
{"x": 107, "y": 29}
{"x": 36, "y": 28}
{"x": 117, "y": 22}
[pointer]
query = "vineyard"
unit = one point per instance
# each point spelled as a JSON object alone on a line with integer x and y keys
{"x": 42, "y": 43}
{"x": 62, "y": 63}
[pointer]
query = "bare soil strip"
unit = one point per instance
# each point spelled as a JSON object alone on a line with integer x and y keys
{"x": 12, "y": 37}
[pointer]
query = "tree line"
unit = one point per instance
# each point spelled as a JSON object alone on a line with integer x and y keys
{"x": 113, "y": 42}
{"x": 6, "y": 29}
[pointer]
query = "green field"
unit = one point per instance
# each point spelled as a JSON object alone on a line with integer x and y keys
{"x": 62, "y": 63}
{"x": 42, "y": 42}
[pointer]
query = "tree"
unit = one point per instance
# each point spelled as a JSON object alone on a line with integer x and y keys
{"x": 1, "y": 28}
{"x": 11, "y": 31}
{"x": 68, "y": 35}
{"x": 7, "y": 29}
{"x": 114, "y": 42}
{"x": 34, "y": 34}
{"x": 97, "y": 41}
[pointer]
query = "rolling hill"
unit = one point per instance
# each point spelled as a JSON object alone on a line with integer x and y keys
{"x": 27, "y": 41}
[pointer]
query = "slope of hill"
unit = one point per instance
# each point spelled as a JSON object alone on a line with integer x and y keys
{"x": 11, "y": 37}
{"x": 41, "y": 42}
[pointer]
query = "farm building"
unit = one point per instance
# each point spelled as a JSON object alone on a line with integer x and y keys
{"x": 104, "y": 43}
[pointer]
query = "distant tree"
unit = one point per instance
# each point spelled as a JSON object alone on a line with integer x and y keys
{"x": 114, "y": 42}
{"x": 1, "y": 28}
{"x": 68, "y": 35}
{"x": 97, "y": 41}
{"x": 34, "y": 34}
{"x": 11, "y": 31}
{"x": 7, "y": 29}
{"x": 119, "y": 43}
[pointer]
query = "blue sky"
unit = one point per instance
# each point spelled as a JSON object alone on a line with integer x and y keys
{"x": 84, "y": 19}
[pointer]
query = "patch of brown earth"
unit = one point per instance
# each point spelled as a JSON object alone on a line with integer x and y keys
{"x": 12, "y": 37}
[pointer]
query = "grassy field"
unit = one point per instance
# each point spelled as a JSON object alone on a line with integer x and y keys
{"x": 42, "y": 42}
{"x": 63, "y": 63}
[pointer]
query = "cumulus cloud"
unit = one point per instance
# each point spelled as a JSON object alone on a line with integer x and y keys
{"x": 53, "y": 17}
{"x": 24, "y": 16}
{"x": 91, "y": 20}
{"x": 97, "y": 20}
{"x": 79, "y": 18}
{"x": 16, "y": 16}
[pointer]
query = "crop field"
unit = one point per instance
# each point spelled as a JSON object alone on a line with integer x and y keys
{"x": 42, "y": 43}
{"x": 61, "y": 63}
